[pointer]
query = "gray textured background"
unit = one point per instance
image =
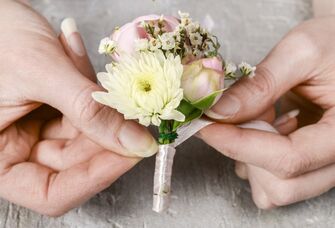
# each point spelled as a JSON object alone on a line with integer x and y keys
{"x": 206, "y": 191}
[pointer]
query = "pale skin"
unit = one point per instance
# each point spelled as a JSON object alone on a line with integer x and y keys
{"x": 299, "y": 164}
{"x": 54, "y": 159}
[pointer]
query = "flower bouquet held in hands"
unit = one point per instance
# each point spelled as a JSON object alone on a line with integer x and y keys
{"x": 165, "y": 72}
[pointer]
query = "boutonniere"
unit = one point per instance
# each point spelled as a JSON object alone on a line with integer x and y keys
{"x": 166, "y": 72}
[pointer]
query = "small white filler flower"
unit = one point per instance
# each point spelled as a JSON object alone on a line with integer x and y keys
{"x": 184, "y": 18}
{"x": 230, "y": 69}
{"x": 246, "y": 69}
{"x": 154, "y": 44}
{"x": 107, "y": 46}
{"x": 146, "y": 87}
{"x": 196, "y": 39}
{"x": 168, "y": 41}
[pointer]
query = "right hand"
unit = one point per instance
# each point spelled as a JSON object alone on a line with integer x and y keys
{"x": 284, "y": 169}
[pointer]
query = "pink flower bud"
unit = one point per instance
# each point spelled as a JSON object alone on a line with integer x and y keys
{"x": 126, "y": 35}
{"x": 202, "y": 77}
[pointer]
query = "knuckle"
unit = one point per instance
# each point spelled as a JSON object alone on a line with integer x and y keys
{"x": 241, "y": 170}
{"x": 263, "y": 84}
{"x": 86, "y": 108}
{"x": 53, "y": 212}
{"x": 299, "y": 39}
{"x": 262, "y": 202}
{"x": 88, "y": 111}
{"x": 282, "y": 193}
{"x": 292, "y": 164}
{"x": 232, "y": 154}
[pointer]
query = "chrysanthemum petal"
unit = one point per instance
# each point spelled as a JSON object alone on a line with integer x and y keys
{"x": 174, "y": 115}
{"x": 145, "y": 86}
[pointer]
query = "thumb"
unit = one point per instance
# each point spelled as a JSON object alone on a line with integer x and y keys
{"x": 105, "y": 126}
{"x": 71, "y": 93}
{"x": 286, "y": 66}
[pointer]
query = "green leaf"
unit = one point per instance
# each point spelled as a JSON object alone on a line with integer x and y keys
{"x": 208, "y": 101}
{"x": 190, "y": 112}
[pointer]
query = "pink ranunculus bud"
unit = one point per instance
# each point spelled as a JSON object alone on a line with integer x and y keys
{"x": 126, "y": 36}
{"x": 202, "y": 77}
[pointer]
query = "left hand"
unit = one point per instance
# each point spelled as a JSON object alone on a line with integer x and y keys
{"x": 46, "y": 164}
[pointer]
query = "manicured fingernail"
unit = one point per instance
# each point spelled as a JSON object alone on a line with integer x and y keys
{"x": 286, "y": 117}
{"x": 227, "y": 107}
{"x": 137, "y": 140}
{"x": 72, "y": 36}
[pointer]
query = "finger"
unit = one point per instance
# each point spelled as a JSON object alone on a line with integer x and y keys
{"x": 12, "y": 112}
{"x": 100, "y": 123}
{"x": 287, "y": 123}
{"x": 241, "y": 170}
{"x": 259, "y": 196}
{"x": 280, "y": 71}
{"x": 284, "y": 192}
{"x": 287, "y": 128}
{"x": 281, "y": 155}
{"x": 74, "y": 47}
{"x": 257, "y": 147}
{"x": 268, "y": 115}
{"x": 61, "y": 128}
{"x": 41, "y": 189}
{"x": 62, "y": 154}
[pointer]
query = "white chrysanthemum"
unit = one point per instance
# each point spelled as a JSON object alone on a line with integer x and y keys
{"x": 196, "y": 39}
{"x": 168, "y": 41}
{"x": 141, "y": 45}
{"x": 246, "y": 69}
{"x": 107, "y": 46}
{"x": 146, "y": 87}
{"x": 230, "y": 68}
{"x": 154, "y": 44}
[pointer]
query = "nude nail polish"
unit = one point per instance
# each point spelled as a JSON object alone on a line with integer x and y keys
{"x": 72, "y": 36}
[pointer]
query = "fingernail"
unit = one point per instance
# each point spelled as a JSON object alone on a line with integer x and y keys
{"x": 286, "y": 117}
{"x": 137, "y": 140}
{"x": 72, "y": 36}
{"x": 227, "y": 107}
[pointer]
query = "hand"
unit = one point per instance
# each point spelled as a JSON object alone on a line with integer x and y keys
{"x": 283, "y": 169}
{"x": 48, "y": 165}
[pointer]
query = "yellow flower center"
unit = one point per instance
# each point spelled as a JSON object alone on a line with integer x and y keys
{"x": 145, "y": 83}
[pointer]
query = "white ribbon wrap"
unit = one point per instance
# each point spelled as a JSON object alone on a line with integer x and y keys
{"x": 165, "y": 155}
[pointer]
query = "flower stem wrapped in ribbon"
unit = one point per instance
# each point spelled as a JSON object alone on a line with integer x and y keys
{"x": 164, "y": 72}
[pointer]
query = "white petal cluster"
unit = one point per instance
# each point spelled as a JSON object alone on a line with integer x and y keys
{"x": 192, "y": 27}
{"x": 146, "y": 87}
{"x": 168, "y": 41}
{"x": 230, "y": 68}
{"x": 107, "y": 46}
{"x": 184, "y": 18}
{"x": 246, "y": 69}
{"x": 154, "y": 44}
{"x": 196, "y": 39}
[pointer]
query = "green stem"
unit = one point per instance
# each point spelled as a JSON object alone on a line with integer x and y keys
{"x": 166, "y": 134}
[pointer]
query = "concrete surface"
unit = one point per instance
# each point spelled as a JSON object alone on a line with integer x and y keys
{"x": 206, "y": 191}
